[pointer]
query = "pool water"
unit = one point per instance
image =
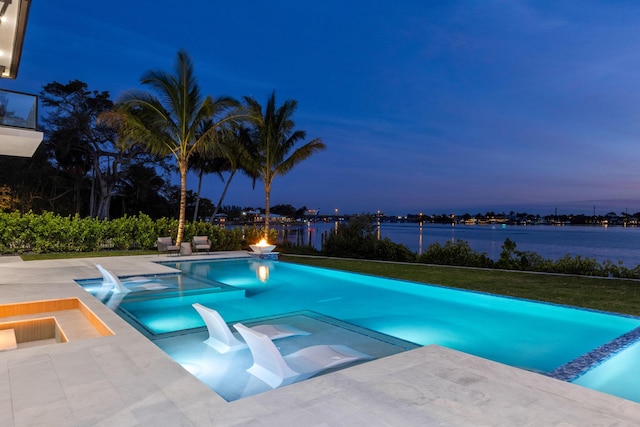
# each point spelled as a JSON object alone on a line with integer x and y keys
{"x": 530, "y": 335}
{"x": 617, "y": 375}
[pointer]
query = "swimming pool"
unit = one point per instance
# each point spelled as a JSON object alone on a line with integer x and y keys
{"x": 615, "y": 375}
{"x": 534, "y": 336}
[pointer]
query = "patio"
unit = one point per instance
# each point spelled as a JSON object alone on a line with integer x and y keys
{"x": 126, "y": 380}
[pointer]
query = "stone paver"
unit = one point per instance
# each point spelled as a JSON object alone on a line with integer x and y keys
{"x": 126, "y": 380}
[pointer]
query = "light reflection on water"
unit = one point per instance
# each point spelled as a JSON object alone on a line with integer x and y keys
{"x": 602, "y": 243}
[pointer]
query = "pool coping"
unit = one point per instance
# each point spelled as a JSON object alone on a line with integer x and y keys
{"x": 126, "y": 380}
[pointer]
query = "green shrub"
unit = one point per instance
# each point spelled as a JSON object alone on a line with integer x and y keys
{"x": 390, "y": 251}
{"x": 50, "y": 232}
{"x": 620, "y": 271}
{"x": 166, "y": 227}
{"x": 355, "y": 239}
{"x": 144, "y": 236}
{"x": 454, "y": 253}
{"x": 23, "y": 237}
{"x": 10, "y": 227}
{"x": 511, "y": 259}
{"x": 227, "y": 239}
{"x": 358, "y": 239}
{"x": 578, "y": 265}
{"x": 121, "y": 232}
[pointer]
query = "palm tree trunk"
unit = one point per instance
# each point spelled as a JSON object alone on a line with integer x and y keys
{"x": 92, "y": 197}
{"x": 267, "y": 192}
{"x": 224, "y": 193}
{"x": 102, "y": 211}
{"x": 195, "y": 212}
{"x": 183, "y": 202}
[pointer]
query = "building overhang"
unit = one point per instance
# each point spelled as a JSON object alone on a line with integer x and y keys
{"x": 13, "y": 24}
{"x": 19, "y": 142}
{"x": 18, "y": 124}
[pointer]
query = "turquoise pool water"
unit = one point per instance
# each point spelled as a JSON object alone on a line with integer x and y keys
{"x": 617, "y": 375}
{"x": 530, "y": 335}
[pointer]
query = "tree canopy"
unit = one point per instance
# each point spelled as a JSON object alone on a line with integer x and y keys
{"x": 274, "y": 140}
{"x": 104, "y": 159}
{"x": 170, "y": 122}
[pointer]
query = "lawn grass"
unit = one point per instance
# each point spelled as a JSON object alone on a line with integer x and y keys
{"x": 615, "y": 295}
{"x": 66, "y": 255}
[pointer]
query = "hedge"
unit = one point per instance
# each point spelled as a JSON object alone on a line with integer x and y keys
{"x": 49, "y": 232}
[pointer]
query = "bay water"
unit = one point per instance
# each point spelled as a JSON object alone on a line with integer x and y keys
{"x": 616, "y": 244}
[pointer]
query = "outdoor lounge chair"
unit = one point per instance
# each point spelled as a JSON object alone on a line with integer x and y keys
{"x": 277, "y": 370}
{"x": 165, "y": 244}
{"x": 201, "y": 243}
{"x": 111, "y": 280}
{"x": 118, "y": 287}
{"x": 223, "y": 340}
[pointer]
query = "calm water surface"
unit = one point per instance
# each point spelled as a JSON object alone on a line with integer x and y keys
{"x": 617, "y": 244}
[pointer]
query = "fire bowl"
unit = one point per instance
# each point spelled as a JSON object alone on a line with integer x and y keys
{"x": 262, "y": 249}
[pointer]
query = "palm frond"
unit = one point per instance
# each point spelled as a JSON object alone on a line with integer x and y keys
{"x": 300, "y": 154}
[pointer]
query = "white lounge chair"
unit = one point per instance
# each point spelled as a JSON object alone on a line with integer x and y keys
{"x": 140, "y": 283}
{"x": 277, "y": 370}
{"x": 223, "y": 340}
{"x": 114, "y": 300}
{"x": 110, "y": 279}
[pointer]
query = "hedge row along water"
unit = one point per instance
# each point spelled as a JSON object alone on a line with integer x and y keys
{"x": 50, "y": 232}
{"x": 358, "y": 239}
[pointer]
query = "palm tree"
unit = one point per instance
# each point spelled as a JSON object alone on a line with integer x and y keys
{"x": 171, "y": 124}
{"x": 274, "y": 137}
{"x": 202, "y": 165}
{"x": 233, "y": 154}
{"x": 238, "y": 157}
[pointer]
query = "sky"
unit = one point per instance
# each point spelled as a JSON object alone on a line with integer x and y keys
{"x": 424, "y": 106}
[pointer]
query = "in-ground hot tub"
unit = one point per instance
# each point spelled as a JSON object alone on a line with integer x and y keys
{"x": 27, "y": 324}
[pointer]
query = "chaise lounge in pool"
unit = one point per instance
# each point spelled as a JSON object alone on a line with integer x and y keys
{"x": 277, "y": 370}
{"x": 223, "y": 340}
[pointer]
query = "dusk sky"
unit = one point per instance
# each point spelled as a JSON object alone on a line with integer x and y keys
{"x": 432, "y": 106}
